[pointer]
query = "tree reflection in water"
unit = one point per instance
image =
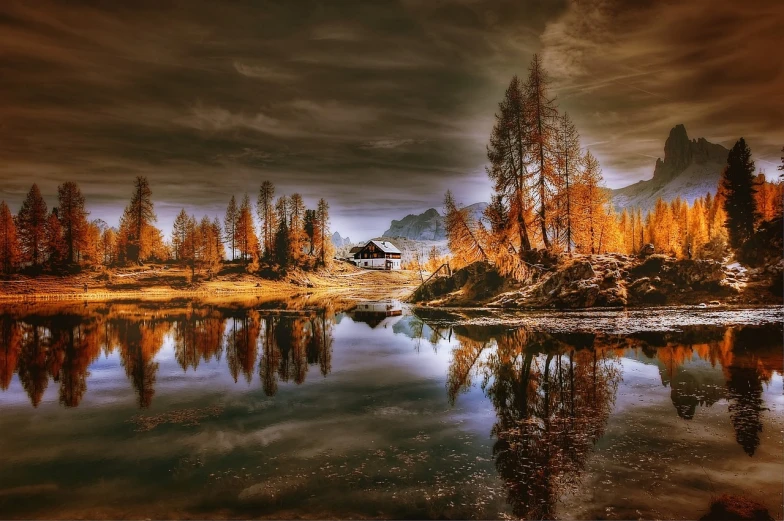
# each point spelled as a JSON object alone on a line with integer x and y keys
{"x": 62, "y": 346}
{"x": 747, "y": 356}
{"x": 553, "y": 393}
{"x": 552, "y": 402}
{"x": 291, "y": 344}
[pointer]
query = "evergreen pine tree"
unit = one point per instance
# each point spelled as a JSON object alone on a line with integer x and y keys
{"x": 737, "y": 183}
{"x": 73, "y": 217}
{"x": 31, "y": 224}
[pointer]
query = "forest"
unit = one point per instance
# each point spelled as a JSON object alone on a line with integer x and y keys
{"x": 63, "y": 240}
{"x": 549, "y": 193}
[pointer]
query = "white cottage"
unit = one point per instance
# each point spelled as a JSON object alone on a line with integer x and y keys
{"x": 378, "y": 254}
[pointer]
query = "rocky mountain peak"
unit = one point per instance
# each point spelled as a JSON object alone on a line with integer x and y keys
{"x": 677, "y": 154}
{"x": 339, "y": 241}
{"x": 680, "y": 152}
{"x": 690, "y": 169}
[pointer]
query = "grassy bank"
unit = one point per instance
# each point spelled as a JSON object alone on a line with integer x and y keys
{"x": 161, "y": 282}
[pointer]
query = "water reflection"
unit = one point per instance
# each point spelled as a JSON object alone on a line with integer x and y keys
{"x": 552, "y": 400}
{"x": 741, "y": 360}
{"x": 553, "y": 393}
{"x": 61, "y": 347}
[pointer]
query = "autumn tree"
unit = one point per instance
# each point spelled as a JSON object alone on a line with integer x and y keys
{"x": 718, "y": 236}
{"x": 246, "y": 240}
{"x": 462, "y": 232}
{"x": 217, "y": 236}
{"x": 542, "y": 118}
{"x": 265, "y": 208}
{"x": 90, "y": 243}
{"x": 768, "y": 197}
{"x": 297, "y": 236}
{"x": 433, "y": 259}
{"x": 625, "y": 226}
{"x": 325, "y": 246}
{"x": 73, "y": 217}
{"x": 9, "y": 242}
{"x": 179, "y": 235}
{"x": 54, "y": 243}
{"x": 209, "y": 244}
{"x": 31, "y": 225}
{"x": 639, "y": 230}
{"x": 591, "y": 201}
{"x": 697, "y": 235}
{"x": 108, "y": 246}
{"x": 152, "y": 244}
{"x": 567, "y": 163}
{"x": 137, "y": 218}
{"x": 192, "y": 244}
{"x": 230, "y": 225}
{"x": 737, "y": 183}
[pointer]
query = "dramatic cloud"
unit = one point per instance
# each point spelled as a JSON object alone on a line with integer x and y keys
{"x": 377, "y": 106}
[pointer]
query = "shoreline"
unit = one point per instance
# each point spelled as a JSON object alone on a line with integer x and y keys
{"x": 174, "y": 284}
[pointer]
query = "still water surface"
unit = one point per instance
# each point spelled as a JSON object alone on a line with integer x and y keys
{"x": 189, "y": 410}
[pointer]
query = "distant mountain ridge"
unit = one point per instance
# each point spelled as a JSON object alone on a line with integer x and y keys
{"x": 427, "y": 226}
{"x": 339, "y": 241}
{"x": 690, "y": 169}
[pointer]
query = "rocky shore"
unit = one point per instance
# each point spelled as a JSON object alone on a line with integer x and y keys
{"x": 610, "y": 280}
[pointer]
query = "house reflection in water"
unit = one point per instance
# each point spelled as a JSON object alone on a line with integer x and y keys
{"x": 374, "y": 313}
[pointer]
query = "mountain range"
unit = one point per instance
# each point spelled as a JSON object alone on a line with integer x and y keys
{"x": 427, "y": 226}
{"x": 690, "y": 169}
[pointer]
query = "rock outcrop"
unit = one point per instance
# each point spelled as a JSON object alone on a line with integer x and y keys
{"x": 586, "y": 281}
{"x": 476, "y": 282}
{"x": 690, "y": 169}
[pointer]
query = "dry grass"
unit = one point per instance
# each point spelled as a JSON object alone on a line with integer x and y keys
{"x": 165, "y": 283}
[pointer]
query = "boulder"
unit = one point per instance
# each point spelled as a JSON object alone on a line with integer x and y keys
{"x": 578, "y": 270}
{"x": 644, "y": 290}
{"x": 647, "y": 250}
{"x": 615, "y": 296}
{"x": 650, "y": 267}
{"x": 581, "y": 295}
{"x": 696, "y": 274}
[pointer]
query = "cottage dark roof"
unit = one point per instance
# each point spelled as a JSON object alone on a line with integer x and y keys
{"x": 356, "y": 249}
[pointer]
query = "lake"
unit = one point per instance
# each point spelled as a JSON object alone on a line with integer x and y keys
{"x": 324, "y": 410}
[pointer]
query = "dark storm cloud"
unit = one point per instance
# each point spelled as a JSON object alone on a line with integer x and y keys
{"x": 629, "y": 71}
{"x": 377, "y": 106}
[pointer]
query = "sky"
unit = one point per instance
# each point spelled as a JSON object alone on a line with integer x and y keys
{"x": 377, "y": 106}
